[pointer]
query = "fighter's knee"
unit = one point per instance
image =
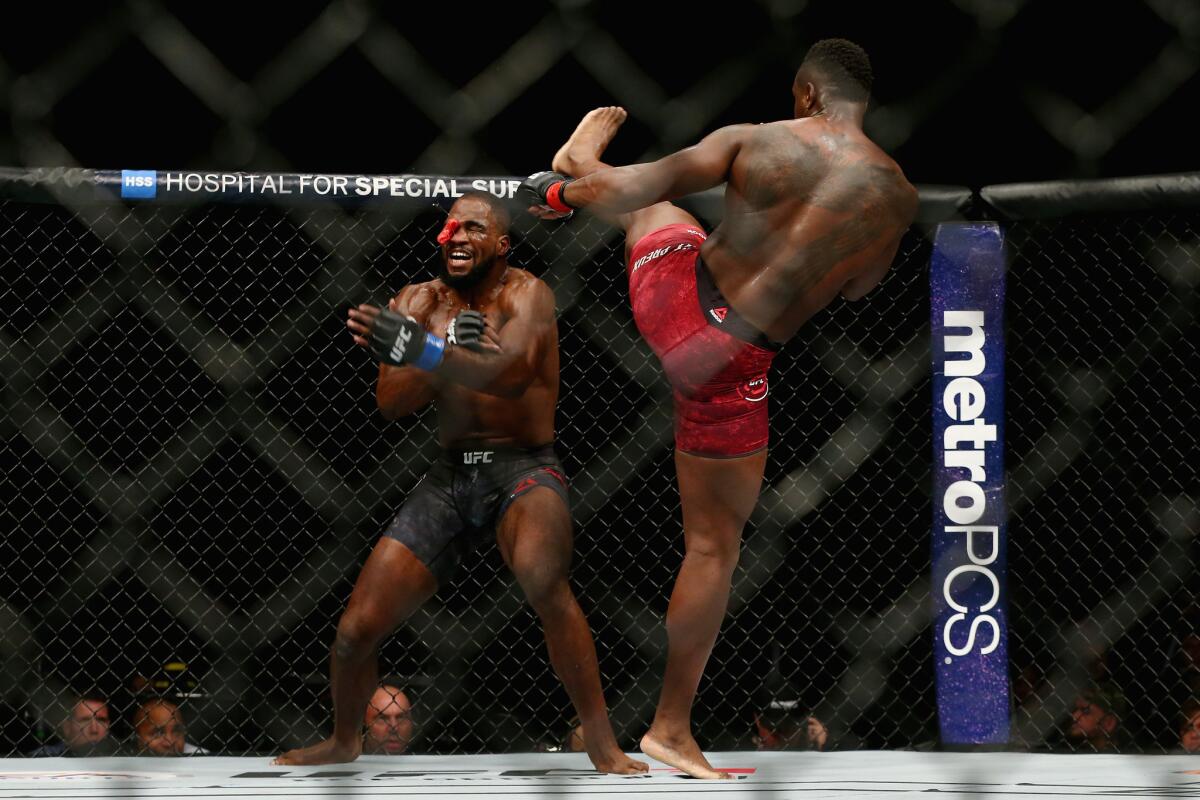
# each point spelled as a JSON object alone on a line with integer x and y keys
{"x": 546, "y": 593}
{"x": 356, "y": 637}
{"x": 722, "y": 549}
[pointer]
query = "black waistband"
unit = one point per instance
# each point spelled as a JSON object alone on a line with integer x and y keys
{"x": 472, "y": 455}
{"x": 718, "y": 313}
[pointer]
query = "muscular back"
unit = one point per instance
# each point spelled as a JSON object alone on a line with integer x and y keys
{"x": 813, "y": 208}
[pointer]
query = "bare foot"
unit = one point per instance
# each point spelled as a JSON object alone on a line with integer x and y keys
{"x": 612, "y": 760}
{"x": 329, "y": 751}
{"x": 581, "y": 154}
{"x": 682, "y": 753}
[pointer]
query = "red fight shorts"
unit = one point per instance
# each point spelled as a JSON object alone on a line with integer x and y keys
{"x": 716, "y": 361}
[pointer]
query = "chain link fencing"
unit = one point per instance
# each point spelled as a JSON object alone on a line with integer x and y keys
{"x": 1103, "y": 478}
{"x": 195, "y": 471}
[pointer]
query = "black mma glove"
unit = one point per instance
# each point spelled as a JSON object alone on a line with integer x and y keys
{"x": 400, "y": 340}
{"x": 466, "y": 330}
{"x": 545, "y": 189}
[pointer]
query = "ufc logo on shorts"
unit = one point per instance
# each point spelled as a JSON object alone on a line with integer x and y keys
{"x": 481, "y": 457}
{"x": 401, "y": 344}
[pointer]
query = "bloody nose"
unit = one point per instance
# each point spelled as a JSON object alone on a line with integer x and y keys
{"x": 451, "y": 226}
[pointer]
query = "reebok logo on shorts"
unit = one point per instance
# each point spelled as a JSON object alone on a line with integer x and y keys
{"x": 719, "y": 313}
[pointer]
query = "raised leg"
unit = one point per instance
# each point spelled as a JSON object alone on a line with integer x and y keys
{"x": 580, "y": 156}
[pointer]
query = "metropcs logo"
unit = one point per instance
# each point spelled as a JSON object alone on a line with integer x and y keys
{"x": 140, "y": 184}
{"x": 965, "y": 501}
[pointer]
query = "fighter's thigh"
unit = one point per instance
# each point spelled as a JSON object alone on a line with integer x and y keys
{"x": 534, "y": 535}
{"x": 718, "y": 496}
{"x": 392, "y": 585}
{"x": 647, "y": 220}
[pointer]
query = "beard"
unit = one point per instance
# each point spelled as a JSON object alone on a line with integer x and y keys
{"x": 468, "y": 280}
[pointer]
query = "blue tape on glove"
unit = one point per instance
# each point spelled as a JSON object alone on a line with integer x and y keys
{"x": 432, "y": 355}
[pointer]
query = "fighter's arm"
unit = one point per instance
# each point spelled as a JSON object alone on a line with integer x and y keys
{"x": 693, "y": 169}
{"x": 403, "y": 390}
{"x": 502, "y": 363}
{"x": 510, "y": 364}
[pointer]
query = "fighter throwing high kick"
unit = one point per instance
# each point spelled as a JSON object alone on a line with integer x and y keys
{"x": 813, "y": 209}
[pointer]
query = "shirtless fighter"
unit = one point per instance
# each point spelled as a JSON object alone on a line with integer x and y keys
{"x": 813, "y": 209}
{"x": 481, "y": 342}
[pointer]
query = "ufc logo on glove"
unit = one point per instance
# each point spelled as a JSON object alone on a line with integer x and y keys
{"x": 401, "y": 344}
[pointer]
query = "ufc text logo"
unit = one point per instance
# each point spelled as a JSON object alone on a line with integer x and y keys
{"x": 401, "y": 344}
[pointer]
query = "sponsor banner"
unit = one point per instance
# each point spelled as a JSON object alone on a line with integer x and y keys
{"x": 296, "y": 188}
{"x": 969, "y": 512}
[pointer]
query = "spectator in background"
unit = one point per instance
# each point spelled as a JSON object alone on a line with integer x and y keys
{"x": 1095, "y": 723}
{"x": 1189, "y": 730}
{"x": 160, "y": 731}
{"x": 1179, "y": 676}
{"x": 784, "y": 726}
{"x": 389, "y": 722}
{"x": 84, "y": 731}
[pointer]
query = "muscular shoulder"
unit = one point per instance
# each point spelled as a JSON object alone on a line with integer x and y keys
{"x": 740, "y": 133}
{"x": 525, "y": 293}
{"x": 416, "y": 293}
{"x": 896, "y": 194}
{"x": 780, "y": 162}
{"x": 787, "y": 135}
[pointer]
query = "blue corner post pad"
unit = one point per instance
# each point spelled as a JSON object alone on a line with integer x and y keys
{"x": 969, "y": 581}
{"x": 139, "y": 184}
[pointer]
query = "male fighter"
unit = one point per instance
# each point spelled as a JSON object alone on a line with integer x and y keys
{"x": 481, "y": 342}
{"x": 813, "y": 209}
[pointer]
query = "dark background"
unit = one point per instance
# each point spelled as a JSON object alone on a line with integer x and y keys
{"x": 969, "y": 92}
